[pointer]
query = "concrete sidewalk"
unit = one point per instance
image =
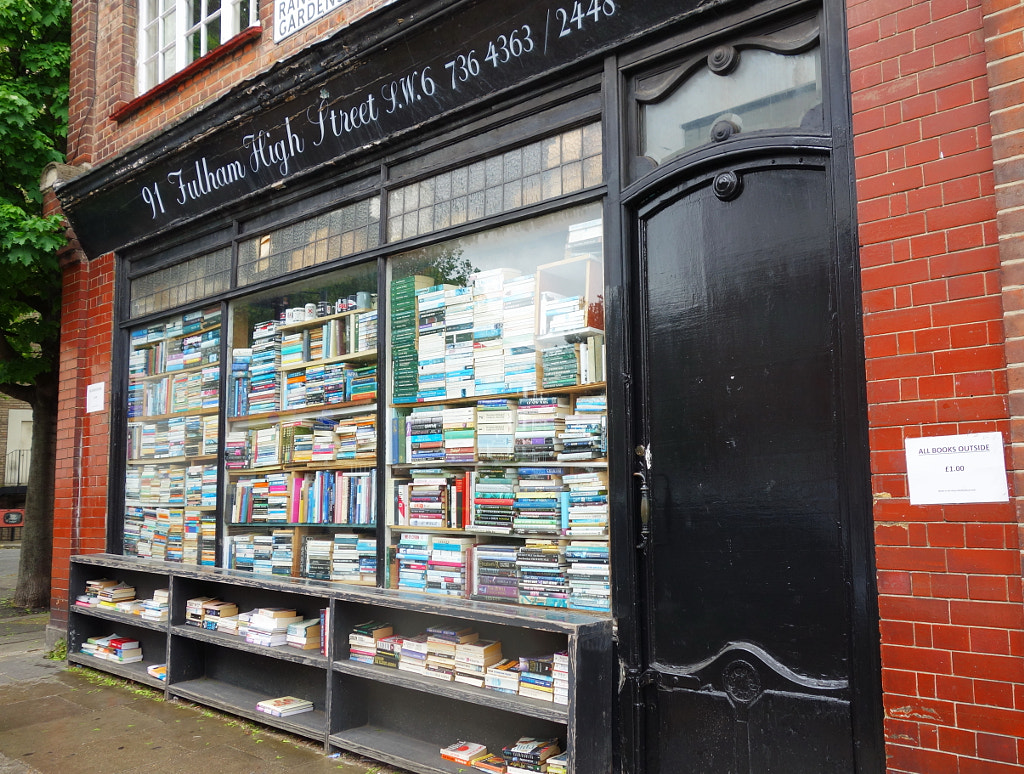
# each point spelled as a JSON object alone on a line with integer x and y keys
{"x": 56, "y": 719}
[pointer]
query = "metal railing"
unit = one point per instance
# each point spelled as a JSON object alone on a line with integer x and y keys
{"x": 16, "y": 468}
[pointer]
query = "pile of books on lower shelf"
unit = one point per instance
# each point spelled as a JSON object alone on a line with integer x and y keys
{"x": 113, "y": 647}
{"x": 283, "y": 706}
{"x": 457, "y": 654}
{"x": 527, "y": 754}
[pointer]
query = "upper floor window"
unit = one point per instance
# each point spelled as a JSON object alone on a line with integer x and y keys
{"x": 175, "y": 33}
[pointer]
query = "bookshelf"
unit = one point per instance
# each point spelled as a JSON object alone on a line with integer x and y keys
{"x": 497, "y": 486}
{"x": 388, "y": 714}
{"x": 172, "y": 466}
{"x": 300, "y": 446}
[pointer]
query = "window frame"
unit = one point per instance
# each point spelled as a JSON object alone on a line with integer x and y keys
{"x": 166, "y": 29}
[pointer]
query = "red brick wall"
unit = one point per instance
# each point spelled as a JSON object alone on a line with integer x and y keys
{"x": 949, "y": 577}
{"x": 103, "y": 74}
{"x": 80, "y": 493}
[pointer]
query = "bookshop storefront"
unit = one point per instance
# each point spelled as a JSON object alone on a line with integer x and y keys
{"x": 533, "y": 323}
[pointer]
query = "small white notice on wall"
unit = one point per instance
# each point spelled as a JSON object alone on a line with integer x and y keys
{"x": 956, "y": 469}
{"x": 94, "y": 398}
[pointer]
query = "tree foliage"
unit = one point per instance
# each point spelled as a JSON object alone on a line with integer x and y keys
{"x": 34, "y": 68}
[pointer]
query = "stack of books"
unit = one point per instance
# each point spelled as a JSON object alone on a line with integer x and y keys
{"x": 413, "y": 655}
{"x": 558, "y": 764}
{"x": 459, "y": 434}
{"x": 113, "y": 647}
{"x": 157, "y": 608}
{"x": 404, "y": 325}
{"x": 542, "y": 578}
{"x": 472, "y": 660}
{"x": 503, "y": 676}
{"x": 587, "y": 514}
{"x": 539, "y": 423}
{"x": 442, "y": 642}
{"x": 412, "y": 554}
{"x": 520, "y": 354}
{"x": 529, "y": 754}
{"x": 268, "y": 626}
{"x": 458, "y": 340}
{"x": 194, "y": 610}
{"x": 536, "y": 680}
{"x": 488, "y": 323}
{"x": 447, "y": 565}
{"x": 304, "y": 635}
{"x": 425, "y": 434}
{"x": 316, "y": 559}
{"x": 388, "y": 651}
{"x": 589, "y": 575}
{"x": 560, "y": 675}
{"x": 496, "y": 576}
{"x": 496, "y": 429}
{"x": 362, "y": 640}
{"x": 464, "y": 753}
{"x": 284, "y": 706}
{"x": 264, "y": 375}
{"x": 345, "y": 558}
{"x": 494, "y": 500}
{"x": 541, "y": 504}
{"x": 584, "y": 437}
{"x": 214, "y": 610}
{"x": 430, "y": 345}
{"x": 560, "y": 365}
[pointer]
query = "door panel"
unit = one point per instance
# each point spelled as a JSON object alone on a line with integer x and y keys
{"x": 746, "y": 569}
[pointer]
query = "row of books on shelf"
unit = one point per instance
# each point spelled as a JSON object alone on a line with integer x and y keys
{"x": 113, "y": 647}
{"x": 535, "y": 429}
{"x": 259, "y": 385}
{"x": 344, "y": 557}
{"x": 110, "y": 594}
{"x": 306, "y": 497}
{"x": 527, "y": 754}
{"x": 178, "y": 535}
{"x": 329, "y": 337}
{"x": 175, "y": 393}
{"x": 185, "y": 324}
{"x": 303, "y": 441}
{"x": 172, "y": 485}
{"x": 458, "y": 654}
{"x": 528, "y": 500}
{"x": 175, "y": 344}
{"x": 268, "y": 627}
{"x": 189, "y": 436}
{"x": 572, "y": 574}
{"x": 481, "y": 339}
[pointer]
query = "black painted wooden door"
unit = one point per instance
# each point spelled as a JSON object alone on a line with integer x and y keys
{"x": 748, "y": 617}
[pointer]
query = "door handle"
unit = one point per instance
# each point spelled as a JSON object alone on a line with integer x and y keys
{"x": 645, "y": 511}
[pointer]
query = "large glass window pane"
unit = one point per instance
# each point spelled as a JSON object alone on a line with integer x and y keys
{"x": 764, "y": 90}
{"x": 498, "y": 457}
{"x": 300, "y": 452}
{"x": 172, "y": 445}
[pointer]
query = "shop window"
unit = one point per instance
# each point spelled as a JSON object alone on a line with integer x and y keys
{"x": 769, "y": 83}
{"x": 497, "y": 418}
{"x": 181, "y": 284}
{"x": 344, "y": 231}
{"x": 300, "y": 454}
{"x": 534, "y": 173}
{"x": 175, "y": 33}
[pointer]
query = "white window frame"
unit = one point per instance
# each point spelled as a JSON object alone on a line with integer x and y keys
{"x": 169, "y": 24}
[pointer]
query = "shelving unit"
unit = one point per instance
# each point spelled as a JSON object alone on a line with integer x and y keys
{"x": 387, "y": 714}
{"x": 301, "y": 443}
{"x": 171, "y": 481}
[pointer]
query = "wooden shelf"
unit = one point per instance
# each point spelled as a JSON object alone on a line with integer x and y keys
{"x": 138, "y": 379}
{"x": 360, "y": 356}
{"x": 391, "y": 715}
{"x": 520, "y": 705}
{"x": 576, "y": 389}
{"x": 242, "y": 702}
{"x": 201, "y": 412}
{"x": 326, "y": 409}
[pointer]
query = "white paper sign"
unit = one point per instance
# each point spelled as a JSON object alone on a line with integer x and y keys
{"x": 950, "y": 469}
{"x": 94, "y": 398}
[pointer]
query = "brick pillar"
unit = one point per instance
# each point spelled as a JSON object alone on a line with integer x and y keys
{"x": 79, "y": 519}
{"x": 933, "y": 274}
